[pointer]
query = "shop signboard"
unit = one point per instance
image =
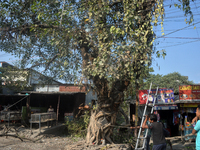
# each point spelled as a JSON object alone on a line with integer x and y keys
{"x": 163, "y": 96}
{"x": 189, "y": 105}
{"x": 189, "y": 92}
{"x": 171, "y": 107}
{"x": 143, "y": 96}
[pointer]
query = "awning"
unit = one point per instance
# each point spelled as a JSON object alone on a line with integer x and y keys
{"x": 174, "y": 107}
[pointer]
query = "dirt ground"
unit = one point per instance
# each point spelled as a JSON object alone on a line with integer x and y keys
{"x": 46, "y": 143}
{"x": 47, "y": 139}
{"x": 55, "y": 138}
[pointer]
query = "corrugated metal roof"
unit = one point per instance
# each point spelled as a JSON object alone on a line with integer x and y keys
{"x": 38, "y": 92}
{"x": 187, "y": 101}
{"x": 13, "y": 95}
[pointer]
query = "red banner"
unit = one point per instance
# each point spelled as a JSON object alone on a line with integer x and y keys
{"x": 143, "y": 94}
{"x": 163, "y": 96}
{"x": 189, "y": 92}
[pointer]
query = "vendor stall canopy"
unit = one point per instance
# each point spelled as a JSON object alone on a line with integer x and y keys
{"x": 165, "y": 107}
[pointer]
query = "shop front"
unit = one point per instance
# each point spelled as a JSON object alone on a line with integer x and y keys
{"x": 189, "y": 99}
{"x": 188, "y": 112}
{"x": 168, "y": 115}
{"x": 165, "y": 107}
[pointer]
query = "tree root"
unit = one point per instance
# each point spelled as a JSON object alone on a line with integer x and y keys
{"x": 15, "y": 136}
{"x": 6, "y": 130}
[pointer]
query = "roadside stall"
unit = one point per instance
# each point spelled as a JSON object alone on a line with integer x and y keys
{"x": 42, "y": 118}
{"x": 165, "y": 107}
{"x": 187, "y": 112}
{"x": 10, "y": 116}
{"x": 166, "y": 113}
{"x": 189, "y": 100}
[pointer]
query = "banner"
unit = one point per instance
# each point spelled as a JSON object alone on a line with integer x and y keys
{"x": 163, "y": 96}
{"x": 195, "y": 105}
{"x": 143, "y": 96}
{"x": 189, "y": 92}
{"x": 171, "y": 107}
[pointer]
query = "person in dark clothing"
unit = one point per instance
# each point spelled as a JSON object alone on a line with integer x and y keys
{"x": 50, "y": 109}
{"x": 157, "y": 131}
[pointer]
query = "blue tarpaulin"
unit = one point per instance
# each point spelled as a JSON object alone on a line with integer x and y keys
{"x": 174, "y": 107}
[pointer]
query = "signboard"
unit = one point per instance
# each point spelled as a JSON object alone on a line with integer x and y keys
{"x": 173, "y": 107}
{"x": 143, "y": 96}
{"x": 189, "y": 92}
{"x": 163, "y": 96}
{"x": 189, "y": 105}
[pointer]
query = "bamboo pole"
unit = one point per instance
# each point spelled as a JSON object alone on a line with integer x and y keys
{"x": 28, "y": 112}
{"x": 58, "y": 109}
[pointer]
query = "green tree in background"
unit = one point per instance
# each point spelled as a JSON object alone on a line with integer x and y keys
{"x": 171, "y": 80}
{"x": 108, "y": 43}
{"x": 12, "y": 78}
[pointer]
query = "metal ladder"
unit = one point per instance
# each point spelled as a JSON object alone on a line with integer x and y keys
{"x": 143, "y": 116}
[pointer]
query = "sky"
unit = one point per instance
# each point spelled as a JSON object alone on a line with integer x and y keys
{"x": 181, "y": 43}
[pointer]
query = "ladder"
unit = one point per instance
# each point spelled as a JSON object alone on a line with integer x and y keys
{"x": 143, "y": 116}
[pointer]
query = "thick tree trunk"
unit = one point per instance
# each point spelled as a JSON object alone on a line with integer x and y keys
{"x": 101, "y": 127}
{"x": 103, "y": 118}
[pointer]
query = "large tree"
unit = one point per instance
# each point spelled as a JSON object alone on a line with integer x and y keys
{"x": 106, "y": 42}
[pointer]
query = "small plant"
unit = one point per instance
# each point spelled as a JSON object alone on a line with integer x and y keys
{"x": 151, "y": 146}
{"x": 190, "y": 147}
{"x": 86, "y": 119}
{"x": 77, "y": 127}
{"x": 125, "y": 137}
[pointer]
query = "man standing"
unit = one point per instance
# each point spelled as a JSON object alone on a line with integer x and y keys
{"x": 157, "y": 131}
{"x": 197, "y": 127}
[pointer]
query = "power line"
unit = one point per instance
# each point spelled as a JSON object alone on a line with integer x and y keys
{"x": 179, "y": 16}
{"x": 177, "y": 30}
{"x": 179, "y": 44}
{"x": 169, "y": 12}
{"x": 181, "y": 37}
{"x": 198, "y": 13}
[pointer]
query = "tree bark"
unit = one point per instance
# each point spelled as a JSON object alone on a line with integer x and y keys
{"x": 136, "y": 110}
{"x": 103, "y": 118}
{"x": 123, "y": 113}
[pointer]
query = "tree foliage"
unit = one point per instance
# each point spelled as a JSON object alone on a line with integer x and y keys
{"x": 98, "y": 38}
{"x": 13, "y": 79}
{"x": 108, "y": 39}
{"x": 171, "y": 80}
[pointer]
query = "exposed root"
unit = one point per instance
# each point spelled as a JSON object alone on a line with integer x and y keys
{"x": 15, "y": 136}
{"x": 14, "y": 132}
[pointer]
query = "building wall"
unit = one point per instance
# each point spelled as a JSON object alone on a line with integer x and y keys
{"x": 36, "y": 78}
{"x": 46, "y": 88}
{"x": 71, "y": 88}
{"x": 7, "y": 91}
{"x": 79, "y": 99}
{"x": 89, "y": 97}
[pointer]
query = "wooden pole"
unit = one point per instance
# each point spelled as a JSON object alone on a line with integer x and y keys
{"x": 136, "y": 107}
{"x": 181, "y": 117}
{"x": 58, "y": 109}
{"x": 28, "y": 112}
